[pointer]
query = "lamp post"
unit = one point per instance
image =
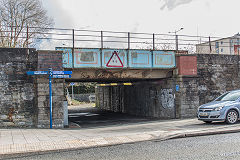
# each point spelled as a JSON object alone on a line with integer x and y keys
{"x": 176, "y": 37}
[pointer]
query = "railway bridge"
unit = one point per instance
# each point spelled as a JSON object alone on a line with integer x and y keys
{"x": 160, "y": 84}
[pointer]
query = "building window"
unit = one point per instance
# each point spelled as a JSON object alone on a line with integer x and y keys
{"x": 217, "y": 45}
{"x": 221, "y": 42}
{"x": 221, "y": 49}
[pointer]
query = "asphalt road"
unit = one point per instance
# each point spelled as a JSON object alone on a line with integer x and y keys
{"x": 85, "y": 117}
{"x": 225, "y": 146}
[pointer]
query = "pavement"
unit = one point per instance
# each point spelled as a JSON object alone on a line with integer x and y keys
{"x": 14, "y": 142}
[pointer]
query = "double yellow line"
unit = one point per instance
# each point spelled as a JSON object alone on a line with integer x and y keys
{"x": 115, "y": 84}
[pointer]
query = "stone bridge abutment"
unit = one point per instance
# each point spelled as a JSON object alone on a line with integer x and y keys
{"x": 25, "y": 99}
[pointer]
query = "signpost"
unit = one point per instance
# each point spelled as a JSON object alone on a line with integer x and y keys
{"x": 51, "y": 74}
{"x": 72, "y": 84}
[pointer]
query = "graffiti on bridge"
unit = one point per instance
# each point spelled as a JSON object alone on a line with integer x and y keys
{"x": 164, "y": 96}
{"x": 167, "y": 98}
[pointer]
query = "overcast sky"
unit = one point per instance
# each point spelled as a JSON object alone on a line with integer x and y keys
{"x": 203, "y": 17}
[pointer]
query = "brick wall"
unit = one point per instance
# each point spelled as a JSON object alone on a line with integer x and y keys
{"x": 46, "y": 60}
{"x": 18, "y": 91}
{"x": 50, "y": 59}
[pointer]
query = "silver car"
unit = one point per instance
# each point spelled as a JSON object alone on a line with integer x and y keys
{"x": 224, "y": 108}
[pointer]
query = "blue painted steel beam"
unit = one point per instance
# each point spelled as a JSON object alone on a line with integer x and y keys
{"x": 98, "y": 58}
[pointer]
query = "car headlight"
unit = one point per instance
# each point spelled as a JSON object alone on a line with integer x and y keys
{"x": 199, "y": 108}
{"x": 218, "y": 108}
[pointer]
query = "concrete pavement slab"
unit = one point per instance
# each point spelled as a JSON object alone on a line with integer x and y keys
{"x": 22, "y": 141}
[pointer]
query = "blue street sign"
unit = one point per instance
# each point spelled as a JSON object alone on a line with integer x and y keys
{"x": 37, "y": 72}
{"x": 47, "y": 72}
{"x": 62, "y": 72}
{"x": 72, "y": 83}
{"x": 177, "y": 88}
{"x": 61, "y": 76}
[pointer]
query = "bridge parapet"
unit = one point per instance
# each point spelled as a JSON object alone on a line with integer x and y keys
{"x": 132, "y": 59}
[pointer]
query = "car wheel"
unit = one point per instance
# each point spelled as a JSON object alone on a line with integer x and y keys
{"x": 232, "y": 117}
{"x": 207, "y": 121}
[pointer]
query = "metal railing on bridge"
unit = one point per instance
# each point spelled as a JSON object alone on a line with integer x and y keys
{"x": 49, "y": 38}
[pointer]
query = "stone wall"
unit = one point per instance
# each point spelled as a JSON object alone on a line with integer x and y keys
{"x": 25, "y": 99}
{"x": 216, "y": 74}
{"x": 18, "y": 92}
{"x": 187, "y": 98}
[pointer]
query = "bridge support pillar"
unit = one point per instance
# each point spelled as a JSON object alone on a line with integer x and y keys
{"x": 43, "y": 114}
{"x": 50, "y": 59}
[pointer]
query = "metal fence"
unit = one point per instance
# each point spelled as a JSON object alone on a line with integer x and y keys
{"x": 49, "y": 38}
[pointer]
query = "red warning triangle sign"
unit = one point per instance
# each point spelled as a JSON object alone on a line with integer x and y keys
{"x": 114, "y": 61}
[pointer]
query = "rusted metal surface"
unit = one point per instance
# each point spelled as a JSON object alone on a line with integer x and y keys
{"x": 187, "y": 65}
{"x": 124, "y": 74}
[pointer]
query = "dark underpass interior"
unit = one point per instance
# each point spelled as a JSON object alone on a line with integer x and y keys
{"x": 94, "y": 117}
{"x": 83, "y": 113}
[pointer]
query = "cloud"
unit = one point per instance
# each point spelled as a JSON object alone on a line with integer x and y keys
{"x": 55, "y": 10}
{"x": 135, "y": 28}
{"x": 171, "y": 4}
{"x": 112, "y": 42}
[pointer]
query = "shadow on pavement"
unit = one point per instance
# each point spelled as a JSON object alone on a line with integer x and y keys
{"x": 85, "y": 117}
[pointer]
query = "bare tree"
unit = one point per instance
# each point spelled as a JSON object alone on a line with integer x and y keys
{"x": 167, "y": 46}
{"x": 21, "y": 21}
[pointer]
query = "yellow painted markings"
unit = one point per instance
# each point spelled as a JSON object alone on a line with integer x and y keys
{"x": 116, "y": 84}
{"x": 127, "y": 84}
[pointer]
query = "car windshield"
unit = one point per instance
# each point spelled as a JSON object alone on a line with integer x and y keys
{"x": 230, "y": 96}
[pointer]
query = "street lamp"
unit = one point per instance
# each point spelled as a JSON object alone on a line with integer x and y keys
{"x": 175, "y": 32}
{"x": 176, "y": 37}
